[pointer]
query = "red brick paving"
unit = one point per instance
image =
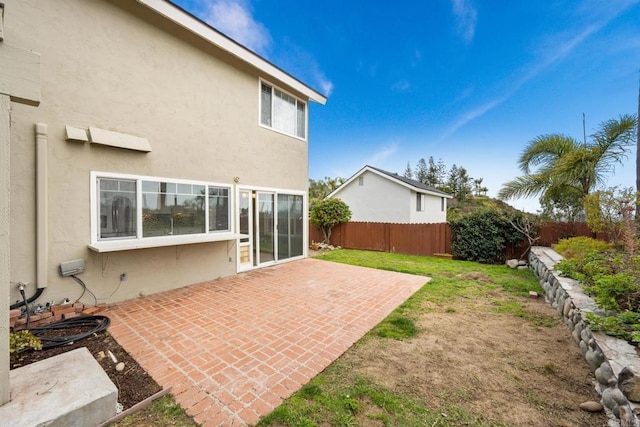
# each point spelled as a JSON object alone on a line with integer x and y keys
{"x": 233, "y": 348}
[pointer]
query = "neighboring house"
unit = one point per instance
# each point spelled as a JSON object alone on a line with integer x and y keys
{"x": 375, "y": 195}
{"x": 162, "y": 153}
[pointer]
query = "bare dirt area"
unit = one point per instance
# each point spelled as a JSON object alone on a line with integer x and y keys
{"x": 133, "y": 382}
{"x": 516, "y": 371}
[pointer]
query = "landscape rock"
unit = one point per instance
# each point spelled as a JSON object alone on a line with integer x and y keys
{"x": 629, "y": 384}
{"x": 591, "y": 406}
{"x": 512, "y": 263}
{"x": 604, "y": 373}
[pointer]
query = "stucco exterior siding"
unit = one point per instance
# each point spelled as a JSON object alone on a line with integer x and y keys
{"x": 116, "y": 66}
{"x": 432, "y": 209}
{"x": 377, "y": 200}
{"x": 375, "y": 195}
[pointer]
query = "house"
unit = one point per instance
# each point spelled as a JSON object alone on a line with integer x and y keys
{"x": 161, "y": 154}
{"x": 375, "y": 195}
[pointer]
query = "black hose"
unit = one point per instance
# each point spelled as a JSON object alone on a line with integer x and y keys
{"x": 24, "y": 300}
{"x": 49, "y": 339}
{"x": 35, "y": 296}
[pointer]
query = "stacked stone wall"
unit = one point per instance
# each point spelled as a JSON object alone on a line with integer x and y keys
{"x": 614, "y": 361}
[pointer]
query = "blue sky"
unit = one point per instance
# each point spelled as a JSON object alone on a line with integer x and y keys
{"x": 467, "y": 81}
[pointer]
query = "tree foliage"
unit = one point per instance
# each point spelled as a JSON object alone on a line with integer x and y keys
{"x": 435, "y": 173}
{"x": 455, "y": 181}
{"x": 408, "y": 172}
{"x": 319, "y": 189}
{"x": 327, "y": 213}
{"x": 606, "y": 211}
{"x": 563, "y": 204}
{"x": 483, "y": 236}
{"x": 556, "y": 162}
{"x": 421, "y": 171}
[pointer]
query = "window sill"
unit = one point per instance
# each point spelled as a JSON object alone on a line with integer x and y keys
{"x": 156, "y": 242}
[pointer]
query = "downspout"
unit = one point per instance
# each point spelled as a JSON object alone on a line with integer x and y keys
{"x": 42, "y": 232}
{"x": 42, "y": 207}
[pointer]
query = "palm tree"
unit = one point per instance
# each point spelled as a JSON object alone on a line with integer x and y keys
{"x": 566, "y": 164}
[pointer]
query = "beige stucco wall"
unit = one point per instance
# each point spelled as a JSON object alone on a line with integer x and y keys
{"x": 117, "y": 66}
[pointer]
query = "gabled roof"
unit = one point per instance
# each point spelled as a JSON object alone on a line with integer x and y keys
{"x": 184, "y": 19}
{"x": 412, "y": 184}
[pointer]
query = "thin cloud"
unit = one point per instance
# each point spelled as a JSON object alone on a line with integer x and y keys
{"x": 304, "y": 65}
{"x": 235, "y": 19}
{"x": 555, "y": 50}
{"x": 326, "y": 86}
{"x": 472, "y": 115}
{"x": 401, "y": 86}
{"x": 466, "y": 18}
{"x": 383, "y": 154}
{"x": 464, "y": 95}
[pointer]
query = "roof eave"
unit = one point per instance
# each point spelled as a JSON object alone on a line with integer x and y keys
{"x": 390, "y": 178}
{"x": 379, "y": 172}
{"x": 175, "y": 14}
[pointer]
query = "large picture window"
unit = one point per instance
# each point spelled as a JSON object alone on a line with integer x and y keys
{"x": 282, "y": 112}
{"x": 145, "y": 207}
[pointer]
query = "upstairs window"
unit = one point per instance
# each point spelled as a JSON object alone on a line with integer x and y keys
{"x": 282, "y": 112}
{"x": 419, "y": 202}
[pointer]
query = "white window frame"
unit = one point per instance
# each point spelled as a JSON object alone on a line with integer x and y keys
{"x": 138, "y": 241}
{"x": 298, "y": 100}
{"x": 419, "y": 202}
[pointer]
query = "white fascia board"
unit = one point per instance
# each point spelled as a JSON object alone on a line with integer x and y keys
{"x": 180, "y": 17}
{"x": 383, "y": 175}
{"x": 409, "y": 186}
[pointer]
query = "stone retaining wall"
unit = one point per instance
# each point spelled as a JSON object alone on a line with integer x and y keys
{"x": 614, "y": 361}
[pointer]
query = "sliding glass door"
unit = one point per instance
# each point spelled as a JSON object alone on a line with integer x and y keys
{"x": 290, "y": 226}
{"x": 265, "y": 229}
{"x": 274, "y": 224}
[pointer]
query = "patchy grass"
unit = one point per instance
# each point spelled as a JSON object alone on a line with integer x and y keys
{"x": 163, "y": 412}
{"x": 338, "y": 397}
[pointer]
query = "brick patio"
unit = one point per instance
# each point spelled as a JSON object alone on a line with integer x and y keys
{"x": 234, "y": 348}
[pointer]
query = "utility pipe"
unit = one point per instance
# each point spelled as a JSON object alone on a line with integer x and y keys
{"x": 42, "y": 207}
{"x": 42, "y": 230}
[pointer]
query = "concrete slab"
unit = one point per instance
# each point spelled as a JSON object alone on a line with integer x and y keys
{"x": 68, "y": 390}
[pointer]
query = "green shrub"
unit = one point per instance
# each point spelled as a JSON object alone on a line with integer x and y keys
{"x": 625, "y": 325}
{"x": 23, "y": 340}
{"x": 483, "y": 236}
{"x": 580, "y": 247}
{"x": 328, "y": 213}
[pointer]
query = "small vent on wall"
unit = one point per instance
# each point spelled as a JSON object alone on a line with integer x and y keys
{"x": 361, "y": 181}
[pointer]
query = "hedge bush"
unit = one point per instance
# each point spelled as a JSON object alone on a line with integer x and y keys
{"x": 483, "y": 236}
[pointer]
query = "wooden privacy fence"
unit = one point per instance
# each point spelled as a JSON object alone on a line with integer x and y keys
{"x": 430, "y": 239}
{"x": 413, "y": 239}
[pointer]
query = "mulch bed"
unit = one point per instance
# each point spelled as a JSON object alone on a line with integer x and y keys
{"x": 133, "y": 383}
